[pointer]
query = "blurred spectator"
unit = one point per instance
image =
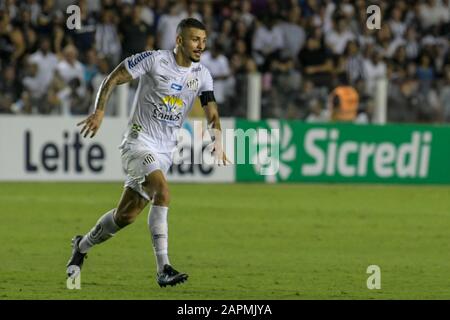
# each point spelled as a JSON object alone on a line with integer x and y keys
{"x": 12, "y": 42}
{"x": 397, "y": 23}
{"x": 386, "y": 43}
{"x": 441, "y": 56}
{"x": 134, "y": 34}
{"x": 84, "y": 38}
{"x": 147, "y": 14}
{"x": 72, "y": 100}
{"x": 10, "y": 6}
{"x": 10, "y": 89}
{"x": 347, "y": 9}
{"x": 294, "y": 35}
{"x": 45, "y": 17}
{"x": 445, "y": 18}
{"x": 285, "y": 80}
{"x": 217, "y": 64}
{"x": 27, "y": 30}
{"x": 445, "y": 95}
{"x": 366, "y": 38}
{"x": 355, "y": 62}
{"x": 191, "y": 10}
{"x": 69, "y": 86}
{"x": 93, "y": 6}
{"x": 431, "y": 109}
{"x": 69, "y": 67}
{"x": 399, "y": 63}
{"x": 167, "y": 26}
{"x": 337, "y": 38}
{"x": 31, "y": 81}
{"x": 34, "y": 7}
{"x": 374, "y": 69}
{"x": 365, "y": 107}
{"x": 309, "y": 8}
{"x": 46, "y": 63}
{"x": 305, "y": 94}
{"x": 209, "y": 20}
{"x": 316, "y": 63}
{"x": 246, "y": 15}
{"x": 404, "y": 102}
{"x": 225, "y": 36}
{"x": 242, "y": 32}
{"x": 241, "y": 66}
{"x": 431, "y": 13}
{"x": 268, "y": 42}
{"x": 107, "y": 41}
{"x": 90, "y": 66}
{"x": 425, "y": 73}
{"x": 316, "y": 113}
{"x": 412, "y": 45}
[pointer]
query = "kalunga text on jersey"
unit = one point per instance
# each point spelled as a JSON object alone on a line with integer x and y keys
{"x": 139, "y": 58}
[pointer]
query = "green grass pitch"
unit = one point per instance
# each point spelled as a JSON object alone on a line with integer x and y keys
{"x": 236, "y": 241}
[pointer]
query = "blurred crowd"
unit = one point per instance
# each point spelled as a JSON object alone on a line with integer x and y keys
{"x": 318, "y": 59}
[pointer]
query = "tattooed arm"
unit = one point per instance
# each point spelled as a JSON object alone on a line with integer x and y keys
{"x": 92, "y": 123}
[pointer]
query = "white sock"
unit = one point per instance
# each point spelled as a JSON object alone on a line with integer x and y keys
{"x": 104, "y": 229}
{"x": 157, "y": 224}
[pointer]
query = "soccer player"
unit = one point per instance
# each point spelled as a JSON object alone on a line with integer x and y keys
{"x": 169, "y": 81}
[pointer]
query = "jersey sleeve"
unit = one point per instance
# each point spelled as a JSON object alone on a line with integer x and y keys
{"x": 207, "y": 82}
{"x": 140, "y": 64}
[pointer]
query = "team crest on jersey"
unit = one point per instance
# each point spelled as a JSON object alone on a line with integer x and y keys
{"x": 192, "y": 84}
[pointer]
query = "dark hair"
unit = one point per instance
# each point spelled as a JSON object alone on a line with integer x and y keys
{"x": 190, "y": 23}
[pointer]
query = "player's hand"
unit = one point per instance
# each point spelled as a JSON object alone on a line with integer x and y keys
{"x": 224, "y": 159}
{"x": 220, "y": 156}
{"x": 91, "y": 123}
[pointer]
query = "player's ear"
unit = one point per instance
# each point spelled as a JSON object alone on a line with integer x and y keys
{"x": 179, "y": 39}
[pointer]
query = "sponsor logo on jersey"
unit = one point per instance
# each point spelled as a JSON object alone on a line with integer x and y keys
{"x": 176, "y": 86}
{"x": 132, "y": 62}
{"x": 173, "y": 103}
{"x": 192, "y": 84}
{"x": 170, "y": 110}
{"x": 196, "y": 69}
{"x": 158, "y": 114}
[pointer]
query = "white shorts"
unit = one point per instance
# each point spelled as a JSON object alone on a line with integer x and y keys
{"x": 138, "y": 161}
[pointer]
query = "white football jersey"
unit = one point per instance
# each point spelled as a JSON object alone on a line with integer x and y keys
{"x": 164, "y": 97}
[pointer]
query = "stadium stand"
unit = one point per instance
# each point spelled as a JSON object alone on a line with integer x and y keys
{"x": 301, "y": 48}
